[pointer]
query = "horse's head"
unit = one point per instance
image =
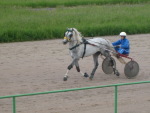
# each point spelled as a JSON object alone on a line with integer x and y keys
{"x": 68, "y": 35}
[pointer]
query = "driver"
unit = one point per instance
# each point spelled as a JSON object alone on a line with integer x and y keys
{"x": 122, "y": 46}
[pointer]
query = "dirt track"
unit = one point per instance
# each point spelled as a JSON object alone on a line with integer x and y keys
{"x": 39, "y": 66}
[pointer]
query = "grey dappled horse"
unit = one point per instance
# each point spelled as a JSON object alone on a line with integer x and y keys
{"x": 79, "y": 48}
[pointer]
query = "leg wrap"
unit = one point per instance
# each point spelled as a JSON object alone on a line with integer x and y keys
{"x": 70, "y": 66}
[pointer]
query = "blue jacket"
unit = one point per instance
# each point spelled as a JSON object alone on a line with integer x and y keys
{"x": 124, "y": 44}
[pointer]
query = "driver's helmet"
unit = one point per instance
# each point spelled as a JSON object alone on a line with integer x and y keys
{"x": 123, "y": 34}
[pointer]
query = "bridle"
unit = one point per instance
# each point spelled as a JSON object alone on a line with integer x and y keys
{"x": 68, "y": 36}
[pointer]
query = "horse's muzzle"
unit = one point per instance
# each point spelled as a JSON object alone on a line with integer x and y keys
{"x": 65, "y": 41}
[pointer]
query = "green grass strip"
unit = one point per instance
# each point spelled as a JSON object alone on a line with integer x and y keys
{"x": 25, "y": 24}
{"x": 55, "y": 3}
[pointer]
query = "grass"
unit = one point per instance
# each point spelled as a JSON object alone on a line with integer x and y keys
{"x": 26, "y": 23}
{"x": 55, "y": 3}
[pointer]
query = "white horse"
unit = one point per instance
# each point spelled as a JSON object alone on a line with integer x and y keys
{"x": 80, "y": 48}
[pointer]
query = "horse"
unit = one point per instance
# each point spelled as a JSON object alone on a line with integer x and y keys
{"x": 80, "y": 47}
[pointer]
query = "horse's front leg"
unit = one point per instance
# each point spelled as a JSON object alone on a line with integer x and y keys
{"x": 95, "y": 58}
{"x": 78, "y": 68}
{"x": 69, "y": 68}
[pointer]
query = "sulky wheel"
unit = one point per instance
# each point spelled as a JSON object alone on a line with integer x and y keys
{"x": 131, "y": 69}
{"x": 107, "y": 65}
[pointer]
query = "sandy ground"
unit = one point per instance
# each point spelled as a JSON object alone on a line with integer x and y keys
{"x": 39, "y": 66}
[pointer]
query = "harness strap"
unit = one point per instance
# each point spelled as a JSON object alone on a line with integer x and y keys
{"x": 74, "y": 46}
{"x": 84, "y": 50}
{"x": 85, "y": 42}
{"x": 79, "y": 45}
{"x": 92, "y": 44}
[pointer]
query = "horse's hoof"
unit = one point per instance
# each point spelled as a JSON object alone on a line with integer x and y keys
{"x": 65, "y": 78}
{"x": 117, "y": 73}
{"x": 86, "y": 75}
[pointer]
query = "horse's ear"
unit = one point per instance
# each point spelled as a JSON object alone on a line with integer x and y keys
{"x": 70, "y": 29}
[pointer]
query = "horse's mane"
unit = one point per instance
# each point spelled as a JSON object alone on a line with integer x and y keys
{"x": 78, "y": 35}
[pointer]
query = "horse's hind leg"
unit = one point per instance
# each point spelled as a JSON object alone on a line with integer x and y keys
{"x": 107, "y": 54}
{"x": 95, "y": 58}
{"x": 116, "y": 72}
